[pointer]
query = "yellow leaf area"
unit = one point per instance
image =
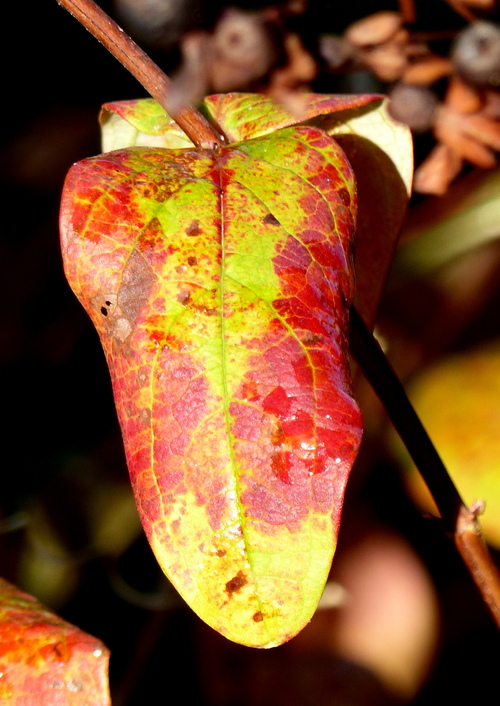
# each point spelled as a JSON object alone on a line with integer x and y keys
{"x": 222, "y": 307}
{"x": 44, "y": 660}
{"x": 458, "y": 401}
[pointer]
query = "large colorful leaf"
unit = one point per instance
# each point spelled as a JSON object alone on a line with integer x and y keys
{"x": 219, "y": 282}
{"x": 44, "y": 660}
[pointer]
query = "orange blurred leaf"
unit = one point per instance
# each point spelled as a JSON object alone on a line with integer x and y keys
{"x": 45, "y": 661}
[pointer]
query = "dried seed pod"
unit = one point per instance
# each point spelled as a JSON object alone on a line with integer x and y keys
{"x": 243, "y": 49}
{"x": 492, "y": 105}
{"x": 427, "y": 70}
{"x": 375, "y": 29}
{"x": 336, "y": 51}
{"x": 414, "y": 105}
{"x": 388, "y": 61}
{"x": 462, "y": 97}
{"x": 476, "y": 54}
{"x": 437, "y": 172}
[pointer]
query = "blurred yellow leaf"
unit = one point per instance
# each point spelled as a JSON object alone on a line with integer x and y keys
{"x": 458, "y": 401}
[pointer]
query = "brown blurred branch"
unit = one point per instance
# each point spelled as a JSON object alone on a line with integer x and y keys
{"x": 123, "y": 48}
{"x": 462, "y": 9}
{"x": 461, "y": 522}
{"x": 407, "y": 10}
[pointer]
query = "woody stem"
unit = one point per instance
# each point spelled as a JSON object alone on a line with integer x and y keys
{"x": 154, "y": 80}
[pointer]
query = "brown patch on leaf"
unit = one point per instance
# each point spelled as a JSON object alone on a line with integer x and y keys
{"x": 184, "y": 296}
{"x": 236, "y": 583}
{"x": 270, "y": 220}
{"x": 310, "y": 339}
{"x": 258, "y": 617}
{"x": 120, "y": 311}
{"x": 137, "y": 280}
{"x": 344, "y": 196}
{"x": 194, "y": 228}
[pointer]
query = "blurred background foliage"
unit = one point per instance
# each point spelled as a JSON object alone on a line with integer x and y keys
{"x": 400, "y": 621}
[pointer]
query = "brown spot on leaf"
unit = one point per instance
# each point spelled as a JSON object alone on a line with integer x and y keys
{"x": 310, "y": 339}
{"x": 344, "y": 196}
{"x": 258, "y": 617}
{"x": 184, "y": 296}
{"x": 194, "y": 228}
{"x": 270, "y": 220}
{"x": 137, "y": 280}
{"x": 145, "y": 416}
{"x": 236, "y": 583}
{"x": 192, "y": 261}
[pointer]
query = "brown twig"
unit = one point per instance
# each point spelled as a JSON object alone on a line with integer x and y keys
{"x": 407, "y": 10}
{"x": 460, "y": 521}
{"x": 156, "y": 83}
{"x": 462, "y": 9}
{"x": 473, "y": 550}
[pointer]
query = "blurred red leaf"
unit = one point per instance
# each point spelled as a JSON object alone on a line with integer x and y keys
{"x": 45, "y": 661}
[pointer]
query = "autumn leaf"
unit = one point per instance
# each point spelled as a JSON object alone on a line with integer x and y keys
{"x": 222, "y": 306}
{"x": 44, "y": 660}
{"x": 222, "y": 311}
{"x": 220, "y": 283}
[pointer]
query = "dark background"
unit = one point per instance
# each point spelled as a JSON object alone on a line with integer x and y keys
{"x": 59, "y": 435}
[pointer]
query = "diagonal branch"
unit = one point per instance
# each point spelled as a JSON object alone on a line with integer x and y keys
{"x": 123, "y": 48}
{"x": 461, "y": 522}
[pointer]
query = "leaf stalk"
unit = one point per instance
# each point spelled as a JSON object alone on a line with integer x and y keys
{"x": 143, "y": 68}
{"x": 459, "y": 521}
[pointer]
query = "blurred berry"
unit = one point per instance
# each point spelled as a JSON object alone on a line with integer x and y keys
{"x": 336, "y": 51}
{"x": 161, "y": 24}
{"x": 414, "y": 105}
{"x": 476, "y": 54}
